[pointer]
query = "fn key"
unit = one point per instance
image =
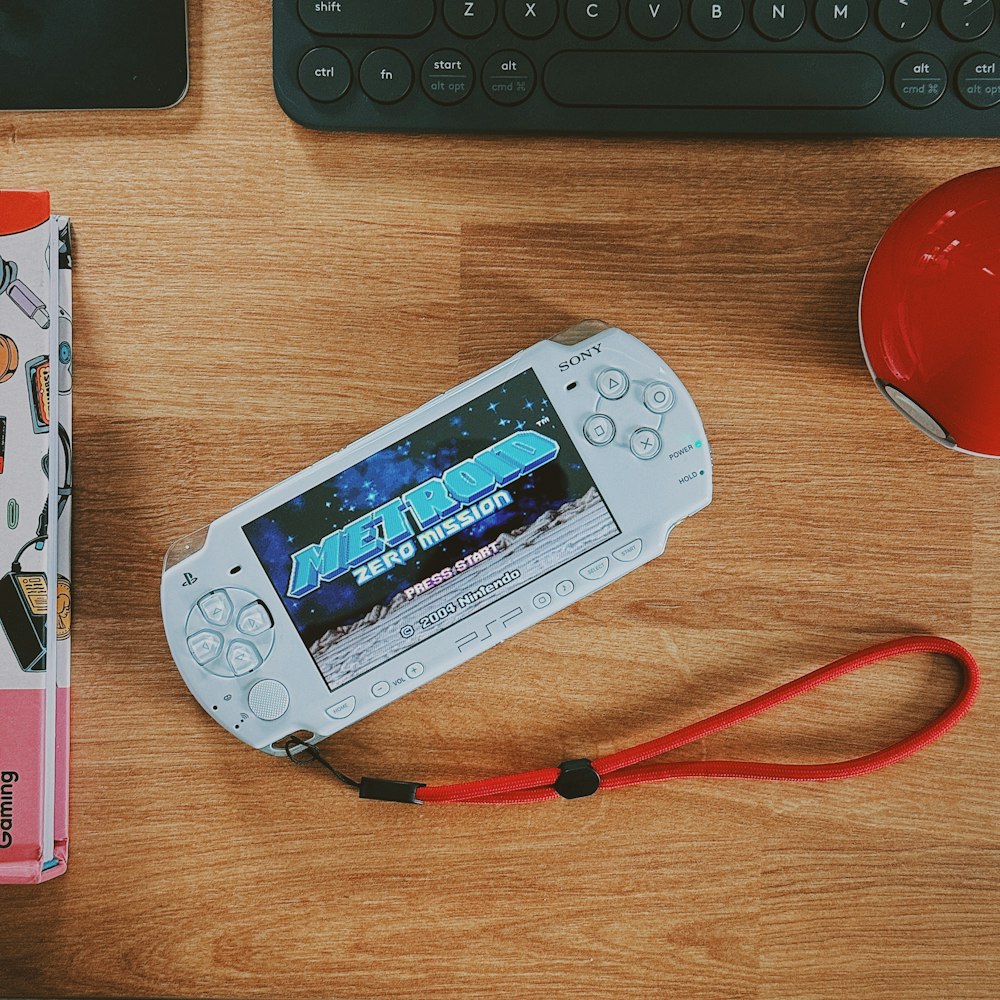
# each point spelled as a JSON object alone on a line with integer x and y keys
{"x": 714, "y": 79}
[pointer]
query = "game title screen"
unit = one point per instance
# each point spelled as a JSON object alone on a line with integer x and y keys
{"x": 431, "y": 529}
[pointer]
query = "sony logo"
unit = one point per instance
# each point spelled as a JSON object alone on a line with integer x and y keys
{"x": 590, "y": 352}
{"x": 7, "y": 781}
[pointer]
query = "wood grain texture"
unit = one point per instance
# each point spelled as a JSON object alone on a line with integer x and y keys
{"x": 250, "y": 297}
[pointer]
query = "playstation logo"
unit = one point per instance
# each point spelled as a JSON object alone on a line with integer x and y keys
{"x": 189, "y": 579}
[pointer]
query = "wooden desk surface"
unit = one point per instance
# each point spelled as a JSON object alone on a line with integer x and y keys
{"x": 250, "y": 297}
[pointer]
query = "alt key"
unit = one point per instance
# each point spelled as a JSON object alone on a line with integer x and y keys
{"x": 920, "y": 80}
{"x": 508, "y": 77}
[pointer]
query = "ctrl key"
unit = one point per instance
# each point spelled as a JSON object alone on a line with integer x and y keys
{"x": 325, "y": 74}
{"x": 979, "y": 80}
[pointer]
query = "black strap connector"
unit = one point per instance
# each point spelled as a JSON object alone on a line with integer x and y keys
{"x": 577, "y": 779}
{"x": 390, "y": 791}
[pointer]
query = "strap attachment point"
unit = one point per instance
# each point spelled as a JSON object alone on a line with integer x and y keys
{"x": 577, "y": 779}
{"x": 390, "y": 791}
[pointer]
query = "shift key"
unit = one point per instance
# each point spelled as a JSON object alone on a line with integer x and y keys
{"x": 381, "y": 18}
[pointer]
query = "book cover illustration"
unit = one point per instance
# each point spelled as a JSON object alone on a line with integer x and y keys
{"x": 36, "y": 351}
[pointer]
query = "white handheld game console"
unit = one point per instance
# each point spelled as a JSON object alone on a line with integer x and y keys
{"x": 449, "y": 530}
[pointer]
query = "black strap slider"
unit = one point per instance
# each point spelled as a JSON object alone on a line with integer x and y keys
{"x": 389, "y": 791}
{"x": 577, "y": 779}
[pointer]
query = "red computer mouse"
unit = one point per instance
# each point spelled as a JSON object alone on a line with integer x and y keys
{"x": 930, "y": 313}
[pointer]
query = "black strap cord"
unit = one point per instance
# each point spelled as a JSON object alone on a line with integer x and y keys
{"x": 300, "y": 752}
{"x": 305, "y": 754}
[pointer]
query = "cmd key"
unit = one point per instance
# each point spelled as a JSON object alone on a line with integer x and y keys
{"x": 592, "y": 78}
{"x": 382, "y": 18}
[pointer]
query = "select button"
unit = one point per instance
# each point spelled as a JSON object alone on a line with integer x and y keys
{"x": 596, "y": 569}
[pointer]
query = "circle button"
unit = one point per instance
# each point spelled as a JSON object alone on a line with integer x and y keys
{"x": 447, "y": 76}
{"x": 920, "y": 80}
{"x": 645, "y": 443}
{"x": 612, "y": 383}
{"x": 386, "y": 76}
{"x": 380, "y": 689}
{"x": 325, "y": 74}
{"x": 658, "y": 397}
{"x": 599, "y": 429}
{"x": 979, "y": 80}
{"x": 268, "y": 700}
{"x": 508, "y": 77}
{"x": 542, "y": 600}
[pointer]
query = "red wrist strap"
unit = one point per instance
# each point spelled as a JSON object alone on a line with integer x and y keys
{"x": 627, "y": 767}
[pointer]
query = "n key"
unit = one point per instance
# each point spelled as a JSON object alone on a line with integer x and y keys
{"x": 779, "y": 19}
{"x": 382, "y": 18}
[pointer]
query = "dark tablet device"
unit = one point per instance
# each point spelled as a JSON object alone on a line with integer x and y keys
{"x": 77, "y": 54}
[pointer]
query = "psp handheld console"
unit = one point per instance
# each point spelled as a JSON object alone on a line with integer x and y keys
{"x": 449, "y": 530}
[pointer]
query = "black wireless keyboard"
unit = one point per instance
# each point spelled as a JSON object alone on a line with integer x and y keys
{"x": 845, "y": 67}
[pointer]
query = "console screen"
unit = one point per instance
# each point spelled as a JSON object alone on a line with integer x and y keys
{"x": 455, "y": 516}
